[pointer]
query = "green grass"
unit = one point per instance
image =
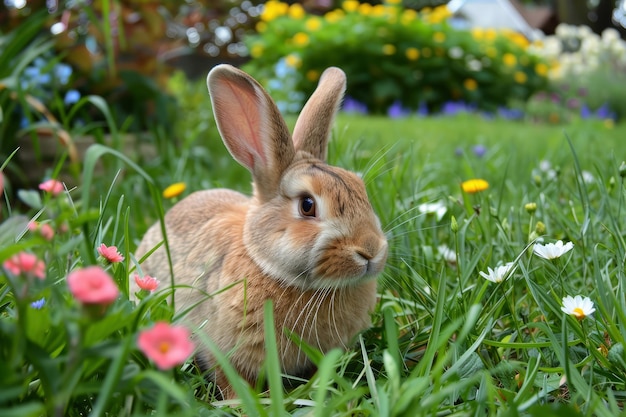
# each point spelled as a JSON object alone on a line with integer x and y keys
{"x": 445, "y": 341}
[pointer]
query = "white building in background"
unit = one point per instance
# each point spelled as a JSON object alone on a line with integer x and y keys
{"x": 490, "y": 14}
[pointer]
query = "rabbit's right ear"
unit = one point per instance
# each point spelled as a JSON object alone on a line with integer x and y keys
{"x": 251, "y": 127}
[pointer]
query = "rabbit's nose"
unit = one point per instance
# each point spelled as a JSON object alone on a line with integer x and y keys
{"x": 373, "y": 250}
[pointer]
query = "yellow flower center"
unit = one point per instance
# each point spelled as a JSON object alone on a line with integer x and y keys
{"x": 578, "y": 312}
{"x": 164, "y": 347}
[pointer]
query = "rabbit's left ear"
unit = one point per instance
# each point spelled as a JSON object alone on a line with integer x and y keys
{"x": 251, "y": 127}
{"x": 315, "y": 122}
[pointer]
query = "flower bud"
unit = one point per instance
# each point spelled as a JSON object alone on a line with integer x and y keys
{"x": 454, "y": 226}
{"x": 540, "y": 228}
{"x": 622, "y": 169}
{"x": 530, "y": 208}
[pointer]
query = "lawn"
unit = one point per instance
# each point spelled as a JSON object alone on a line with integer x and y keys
{"x": 445, "y": 340}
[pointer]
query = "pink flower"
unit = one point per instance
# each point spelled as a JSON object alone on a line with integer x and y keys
{"x": 147, "y": 282}
{"x": 25, "y": 263}
{"x": 53, "y": 187}
{"x": 110, "y": 253}
{"x": 92, "y": 285}
{"x": 166, "y": 345}
{"x": 46, "y": 231}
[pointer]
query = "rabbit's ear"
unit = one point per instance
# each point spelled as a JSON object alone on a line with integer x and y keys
{"x": 314, "y": 124}
{"x": 251, "y": 127}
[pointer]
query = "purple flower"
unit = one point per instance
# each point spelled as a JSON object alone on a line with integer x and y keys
{"x": 455, "y": 107}
{"x": 396, "y": 110}
{"x": 585, "y": 112}
{"x": 604, "y": 112}
{"x": 422, "y": 110}
{"x": 350, "y": 105}
{"x": 479, "y": 150}
{"x": 510, "y": 114}
{"x": 573, "y": 103}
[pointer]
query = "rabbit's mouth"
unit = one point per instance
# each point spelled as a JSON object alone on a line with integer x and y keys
{"x": 343, "y": 266}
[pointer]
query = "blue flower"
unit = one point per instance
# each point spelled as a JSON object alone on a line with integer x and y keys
{"x": 71, "y": 97}
{"x": 396, "y": 110}
{"x": 62, "y": 72}
{"x": 38, "y": 305}
{"x": 479, "y": 150}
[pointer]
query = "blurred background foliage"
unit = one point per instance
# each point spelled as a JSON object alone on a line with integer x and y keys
{"x": 101, "y": 69}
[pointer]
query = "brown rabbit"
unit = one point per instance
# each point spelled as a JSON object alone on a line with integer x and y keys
{"x": 307, "y": 239}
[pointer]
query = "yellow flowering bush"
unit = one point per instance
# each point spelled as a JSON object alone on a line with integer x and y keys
{"x": 394, "y": 55}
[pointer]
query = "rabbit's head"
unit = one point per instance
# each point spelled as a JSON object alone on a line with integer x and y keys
{"x": 309, "y": 224}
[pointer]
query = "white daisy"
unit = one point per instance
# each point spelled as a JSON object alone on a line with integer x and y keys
{"x": 499, "y": 274}
{"x": 552, "y": 250}
{"x": 437, "y": 208}
{"x": 578, "y": 306}
{"x": 447, "y": 254}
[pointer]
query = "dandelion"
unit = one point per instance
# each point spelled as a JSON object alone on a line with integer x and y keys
{"x": 438, "y": 209}
{"x": 439, "y": 37}
{"x": 166, "y": 345}
{"x": 174, "y": 190}
{"x": 313, "y": 23}
{"x": 552, "y": 250}
{"x": 578, "y": 306}
{"x": 541, "y": 69}
{"x": 499, "y": 274}
{"x": 110, "y": 253}
{"x": 92, "y": 286}
{"x": 296, "y": 11}
{"x": 474, "y": 185}
{"x": 146, "y": 282}
{"x": 350, "y": 5}
{"x": 27, "y": 264}
{"x": 53, "y": 187}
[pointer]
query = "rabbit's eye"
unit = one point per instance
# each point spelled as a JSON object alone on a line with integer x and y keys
{"x": 307, "y": 206}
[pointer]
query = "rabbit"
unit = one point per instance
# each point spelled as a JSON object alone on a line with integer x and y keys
{"x": 307, "y": 238}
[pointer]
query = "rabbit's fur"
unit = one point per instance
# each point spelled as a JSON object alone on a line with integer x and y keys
{"x": 307, "y": 239}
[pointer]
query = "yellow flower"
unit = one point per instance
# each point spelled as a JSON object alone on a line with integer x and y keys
{"x": 439, "y": 37}
{"x": 300, "y": 39}
{"x": 490, "y": 34}
{"x": 334, "y": 16}
{"x": 412, "y": 54}
{"x": 408, "y": 16}
{"x": 256, "y": 51}
{"x": 350, "y": 5}
{"x": 379, "y": 10}
{"x": 293, "y": 61}
{"x": 389, "y": 49}
{"x": 296, "y": 11}
{"x": 477, "y": 33}
{"x": 474, "y": 185}
{"x": 312, "y": 75}
{"x": 509, "y": 59}
{"x": 470, "y": 84}
{"x": 261, "y": 27}
{"x": 365, "y": 9}
{"x": 491, "y": 52}
{"x": 174, "y": 190}
{"x": 520, "y": 77}
{"x": 312, "y": 24}
{"x": 541, "y": 69}
{"x": 273, "y": 9}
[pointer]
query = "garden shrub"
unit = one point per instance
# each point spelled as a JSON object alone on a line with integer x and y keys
{"x": 586, "y": 73}
{"x": 393, "y": 55}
